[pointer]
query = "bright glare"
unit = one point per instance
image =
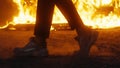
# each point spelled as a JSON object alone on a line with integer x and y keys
{"x": 95, "y": 13}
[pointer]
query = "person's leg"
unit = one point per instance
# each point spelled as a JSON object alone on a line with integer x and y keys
{"x": 37, "y": 45}
{"x": 45, "y": 9}
{"x": 44, "y": 16}
{"x": 86, "y": 37}
{"x": 69, "y": 11}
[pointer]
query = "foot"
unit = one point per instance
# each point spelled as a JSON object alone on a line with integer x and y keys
{"x": 33, "y": 48}
{"x": 86, "y": 41}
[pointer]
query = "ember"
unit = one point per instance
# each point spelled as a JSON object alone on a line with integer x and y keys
{"x": 95, "y": 13}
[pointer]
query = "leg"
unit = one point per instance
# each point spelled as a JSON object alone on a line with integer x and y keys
{"x": 86, "y": 37}
{"x": 37, "y": 45}
{"x": 69, "y": 11}
{"x": 44, "y": 16}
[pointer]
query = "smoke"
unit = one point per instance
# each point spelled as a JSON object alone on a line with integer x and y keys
{"x": 8, "y": 9}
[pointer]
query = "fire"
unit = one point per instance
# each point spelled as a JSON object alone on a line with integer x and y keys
{"x": 27, "y": 11}
{"x": 95, "y": 13}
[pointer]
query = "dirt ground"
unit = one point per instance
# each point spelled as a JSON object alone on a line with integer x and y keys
{"x": 105, "y": 53}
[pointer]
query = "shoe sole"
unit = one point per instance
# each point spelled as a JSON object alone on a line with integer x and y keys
{"x": 35, "y": 53}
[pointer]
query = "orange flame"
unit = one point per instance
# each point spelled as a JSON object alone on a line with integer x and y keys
{"x": 95, "y": 13}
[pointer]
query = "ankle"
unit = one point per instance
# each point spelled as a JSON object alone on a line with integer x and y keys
{"x": 41, "y": 41}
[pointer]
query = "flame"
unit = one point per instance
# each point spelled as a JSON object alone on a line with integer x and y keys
{"x": 95, "y": 13}
{"x": 100, "y": 13}
{"x": 27, "y": 11}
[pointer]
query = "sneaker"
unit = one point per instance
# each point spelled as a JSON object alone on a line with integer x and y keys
{"x": 32, "y": 49}
{"x": 86, "y": 41}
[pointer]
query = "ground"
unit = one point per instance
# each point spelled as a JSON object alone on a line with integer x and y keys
{"x": 105, "y": 53}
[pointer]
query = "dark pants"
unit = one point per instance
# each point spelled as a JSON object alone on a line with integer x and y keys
{"x": 44, "y": 16}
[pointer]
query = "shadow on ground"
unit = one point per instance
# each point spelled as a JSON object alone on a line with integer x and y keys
{"x": 60, "y": 62}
